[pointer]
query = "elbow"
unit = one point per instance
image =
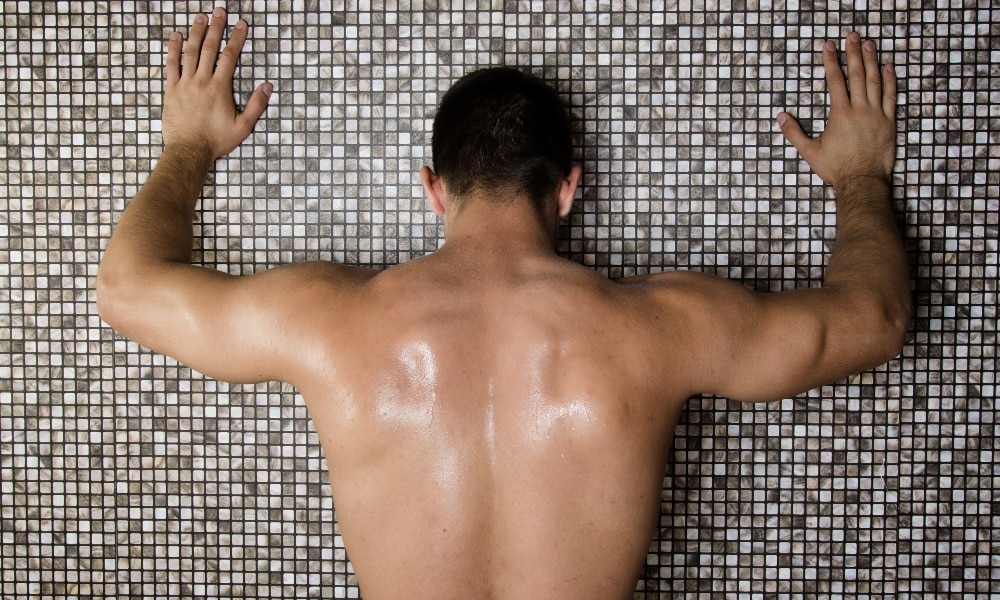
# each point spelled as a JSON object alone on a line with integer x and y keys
{"x": 104, "y": 293}
{"x": 878, "y": 326}
{"x": 898, "y": 325}
{"x": 109, "y": 291}
{"x": 891, "y": 324}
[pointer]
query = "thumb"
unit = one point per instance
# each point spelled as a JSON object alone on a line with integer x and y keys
{"x": 792, "y": 131}
{"x": 256, "y": 105}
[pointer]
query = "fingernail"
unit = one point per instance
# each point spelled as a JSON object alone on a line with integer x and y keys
{"x": 854, "y": 37}
{"x": 267, "y": 89}
{"x": 869, "y": 45}
{"x": 241, "y": 24}
{"x": 175, "y": 36}
{"x": 200, "y": 18}
{"x": 782, "y": 117}
{"x": 219, "y": 12}
{"x": 830, "y": 46}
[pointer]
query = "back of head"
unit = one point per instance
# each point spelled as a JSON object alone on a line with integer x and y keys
{"x": 502, "y": 133}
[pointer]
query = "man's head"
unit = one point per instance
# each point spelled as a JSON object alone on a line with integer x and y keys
{"x": 502, "y": 133}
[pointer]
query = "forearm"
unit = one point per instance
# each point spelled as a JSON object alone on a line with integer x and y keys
{"x": 869, "y": 264}
{"x": 869, "y": 249}
{"x": 156, "y": 225}
{"x": 200, "y": 123}
{"x": 152, "y": 238}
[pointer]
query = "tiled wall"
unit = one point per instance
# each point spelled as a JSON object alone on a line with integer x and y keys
{"x": 123, "y": 474}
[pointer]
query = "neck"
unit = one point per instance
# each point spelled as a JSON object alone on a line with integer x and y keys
{"x": 504, "y": 229}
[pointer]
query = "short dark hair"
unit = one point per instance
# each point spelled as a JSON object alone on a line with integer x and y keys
{"x": 502, "y": 130}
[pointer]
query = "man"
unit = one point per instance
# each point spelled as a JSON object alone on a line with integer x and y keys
{"x": 496, "y": 419}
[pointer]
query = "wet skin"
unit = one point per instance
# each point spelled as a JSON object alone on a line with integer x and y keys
{"x": 482, "y": 443}
{"x": 496, "y": 419}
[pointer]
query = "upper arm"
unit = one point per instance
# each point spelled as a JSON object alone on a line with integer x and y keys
{"x": 756, "y": 347}
{"x": 236, "y": 329}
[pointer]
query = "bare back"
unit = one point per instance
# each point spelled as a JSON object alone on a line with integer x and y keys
{"x": 498, "y": 435}
{"x": 496, "y": 422}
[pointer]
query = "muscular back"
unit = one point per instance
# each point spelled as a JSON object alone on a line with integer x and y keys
{"x": 496, "y": 435}
{"x": 496, "y": 426}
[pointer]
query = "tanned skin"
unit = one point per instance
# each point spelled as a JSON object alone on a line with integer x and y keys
{"x": 496, "y": 419}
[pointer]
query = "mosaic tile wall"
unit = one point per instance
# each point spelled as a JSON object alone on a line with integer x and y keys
{"x": 125, "y": 475}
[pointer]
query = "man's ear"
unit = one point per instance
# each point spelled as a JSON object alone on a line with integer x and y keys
{"x": 567, "y": 191}
{"x": 434, "y": 190}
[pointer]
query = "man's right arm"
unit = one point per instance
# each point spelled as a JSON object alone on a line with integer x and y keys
{"x": 237, "y": 329}
{"x": 757, "y": 347}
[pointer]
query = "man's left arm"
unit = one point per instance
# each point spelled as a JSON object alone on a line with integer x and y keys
{"x": 227, "y": 327}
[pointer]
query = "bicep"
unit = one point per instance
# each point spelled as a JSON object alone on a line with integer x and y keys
{"x": 770, "y": 346}
{"x": 759, "y": 347}
{"x": 236, "y": 329}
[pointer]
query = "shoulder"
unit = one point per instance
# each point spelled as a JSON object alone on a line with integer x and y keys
{"x": 295, "y": 282}
{"x": 300, "y": 295}
{"x": 322, "y": 271}
{"x": 690, "y": 292}
{"x": 673, "y": 281}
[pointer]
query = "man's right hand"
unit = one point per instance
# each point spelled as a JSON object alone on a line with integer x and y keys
{"x": 198, "y": 107}
{"x": 860, "y": 137}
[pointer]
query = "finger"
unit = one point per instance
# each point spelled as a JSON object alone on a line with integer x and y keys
{"x": 834, "y": 75}
{"x": 174, "y": 57}
{"x": 873, "y": 75}
{"x": 231, "y": 53}
{"x": 193, "y": 48}
{"x": 889, "y": 90}
{"x": 793, "y": 132}
{"x": 213, "y": 40}
{"x": 855, "y": 68}
{"x": 255, "y": 107}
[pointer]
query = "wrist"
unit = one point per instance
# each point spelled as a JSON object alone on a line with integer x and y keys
{"x": 862, "y": 182}
{"x": 189, "y": 153}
